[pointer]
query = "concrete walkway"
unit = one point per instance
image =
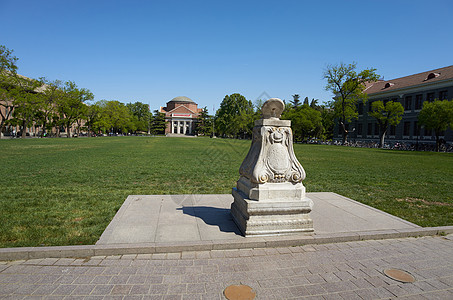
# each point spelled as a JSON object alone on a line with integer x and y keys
{"x": 352, "y": 270}
{"x": 206, "y": 218}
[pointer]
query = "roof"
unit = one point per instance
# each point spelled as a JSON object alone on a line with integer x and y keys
{"x": 182, "y": 99}
{"x": 419, "y": 79}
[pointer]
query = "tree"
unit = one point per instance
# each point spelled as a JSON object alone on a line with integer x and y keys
{"x": 347, "y": 85}
{"x": 8, "y": 85}
{"x": 25, "y": 111}
{"x": 314, "y": 103}
{"x": 142, "y": 115}
{"x": 235, "y": 116}
{"x": 306, "y": 122}
{"x": 204, "y": 123}
{"x": 437, "y": 115}
{"x": 51, "y": 93}
{"x": 158, "y": 124}
{"x": 70, "y": 106}
{"x": 386, "y": 114}
{"x": 7, "y": 60}
{"x": 92, "y": 117}
{"x": 23, "y": 101}
{"x": 296, "y": 101}
{"x": 328, "y": 121}
{"x": 116, "y": 117}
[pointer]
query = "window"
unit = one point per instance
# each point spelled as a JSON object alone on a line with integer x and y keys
{"x": 430, "y": 97}
{"x": 376, "y": 129}
{"x": 418, "y": 101}
{"x": 360, "y": 108}
{"x": 408, "y": 103}
{"x": 407, "y": 128}
{"x": 359, "y": 129}
{"x": 428, "y": 132}
{"x": 369, "y": 129}
{"x": 443, "y": 95}
{"x": 416, "y": 129}
{"x": 392, "y": 130}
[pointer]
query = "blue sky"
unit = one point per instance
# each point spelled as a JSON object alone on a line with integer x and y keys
{"x": 153, "y": 51}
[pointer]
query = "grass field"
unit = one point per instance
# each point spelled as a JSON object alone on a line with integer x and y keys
{"x": 66, "y": 191}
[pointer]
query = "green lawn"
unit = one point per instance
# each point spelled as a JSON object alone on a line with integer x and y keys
{"x": 66, "y": 191}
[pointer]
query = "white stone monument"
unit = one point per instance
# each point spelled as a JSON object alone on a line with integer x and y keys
{"x": 270, "y": 197}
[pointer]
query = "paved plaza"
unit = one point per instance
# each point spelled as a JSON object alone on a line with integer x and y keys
{"x": 351, "y": 270}
{"x": 187, "y": 247}
{"x": 207, "y": 218}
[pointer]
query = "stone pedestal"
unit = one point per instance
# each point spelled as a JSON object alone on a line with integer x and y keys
{"x": 269, "y": 197}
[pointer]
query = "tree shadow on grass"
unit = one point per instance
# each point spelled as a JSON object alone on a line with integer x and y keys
{"x": 215, "y": 216}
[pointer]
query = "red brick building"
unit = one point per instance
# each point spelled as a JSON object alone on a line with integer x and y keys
{"x": 181, "y": 114}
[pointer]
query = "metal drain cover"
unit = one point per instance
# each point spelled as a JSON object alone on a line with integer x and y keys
{"x": 239, "y": 292}
{"x": 399, "y": 275}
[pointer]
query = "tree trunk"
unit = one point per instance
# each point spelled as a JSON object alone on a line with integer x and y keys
{"x": 68, "y": 131}
{"x": 345, "y": 137}
{"x": 2, "y": 127}
{"x": 437, "y": 141}
{"x": 43, "y": 129}
{"x": 345, "y": 133}
{"x": 24, "y": 129}
{"x": 381, "y": 139}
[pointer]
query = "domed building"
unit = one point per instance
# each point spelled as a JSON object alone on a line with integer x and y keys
{"x": 181, "y": 113}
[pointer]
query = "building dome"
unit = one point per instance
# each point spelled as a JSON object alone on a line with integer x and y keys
{"x": 182, "y": 99}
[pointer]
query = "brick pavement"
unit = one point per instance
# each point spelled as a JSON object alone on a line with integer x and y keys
{"x": 351, "y": 270}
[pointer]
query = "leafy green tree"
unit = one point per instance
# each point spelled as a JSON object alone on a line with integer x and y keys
{"x": 235, "y": 116}
{"x": 437, "y": 115}
{"x": 142, "y": 115}
{"x": 306, "y": 122}
{"x": 24, "y": 102}
{"x": 70, "y": 107}
{"x": 7, "y": 60}
{"x": 100, "y": 121}
{"x": 8, "y": 85}
{"x": 328, "y": 121}
{"x": 25, "y": 111}
{"x": 116, "y": 117}
{"x": 92, "y": 116}
{"x": 204, "y": 123}
{"x": 347, "y": 85}
{"x": 386, "y": 114}
{"x": 51, "y": 93}
{"x": 158, "y": 123}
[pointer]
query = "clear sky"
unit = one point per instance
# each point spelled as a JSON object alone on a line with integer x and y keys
{"x": 153, "y": 51}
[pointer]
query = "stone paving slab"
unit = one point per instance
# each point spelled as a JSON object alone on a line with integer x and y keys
{"x": 350, "y": 270}
{"x": 176, "y": 218}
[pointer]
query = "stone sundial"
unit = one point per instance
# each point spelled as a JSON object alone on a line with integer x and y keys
{"x": 269, "y": 197}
